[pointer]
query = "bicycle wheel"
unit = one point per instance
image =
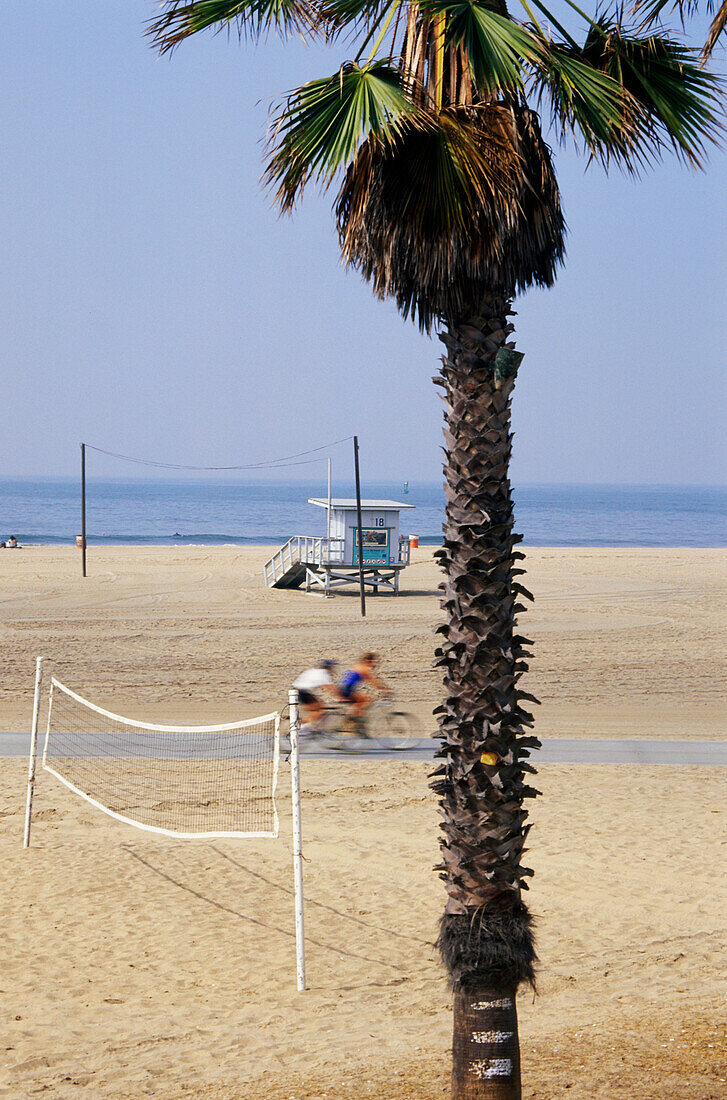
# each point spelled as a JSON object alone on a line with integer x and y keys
{"x": 341, "y": 732}
{"x": 400, "y": 730}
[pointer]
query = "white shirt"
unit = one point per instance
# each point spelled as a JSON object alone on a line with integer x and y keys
{"x": 312, "y": 679}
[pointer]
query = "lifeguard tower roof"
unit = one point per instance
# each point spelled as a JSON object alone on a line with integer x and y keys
{"x": 346, "y": 504}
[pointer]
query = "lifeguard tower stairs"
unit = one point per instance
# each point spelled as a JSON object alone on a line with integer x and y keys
{"x": 328, "y": 562}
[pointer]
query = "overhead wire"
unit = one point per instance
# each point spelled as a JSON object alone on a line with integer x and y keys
{"x": 272, "y": 464}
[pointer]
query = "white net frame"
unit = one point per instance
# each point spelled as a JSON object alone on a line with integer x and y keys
{"x": 149, "y": 727}
{"x": 227, "y": 729}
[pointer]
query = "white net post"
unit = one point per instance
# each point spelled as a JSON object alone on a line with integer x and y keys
{"x": 33, "y": 751}
{"x": 297, "y": 839}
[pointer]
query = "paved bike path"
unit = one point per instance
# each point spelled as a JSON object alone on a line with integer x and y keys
{"x": 566, "y": 750}
{"x": 555, "y": 750}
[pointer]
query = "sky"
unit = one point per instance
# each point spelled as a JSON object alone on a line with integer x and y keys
{"x": 152, "y": 301}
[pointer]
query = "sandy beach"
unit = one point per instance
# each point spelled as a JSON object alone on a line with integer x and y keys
{"x": 135, "y": 965}
{"x": 138, "y": 966}
{"x": 628, "y": 643}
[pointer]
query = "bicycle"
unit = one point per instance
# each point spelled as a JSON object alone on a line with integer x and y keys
{"x": 339, "y": 729}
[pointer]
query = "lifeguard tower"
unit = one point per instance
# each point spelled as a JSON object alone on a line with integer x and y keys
{"x": 332, "y": 561}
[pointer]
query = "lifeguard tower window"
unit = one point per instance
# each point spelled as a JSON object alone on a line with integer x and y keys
{"x": 375, "y": 546}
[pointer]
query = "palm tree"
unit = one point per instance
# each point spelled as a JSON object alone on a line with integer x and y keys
{"x": 449, "y": 204}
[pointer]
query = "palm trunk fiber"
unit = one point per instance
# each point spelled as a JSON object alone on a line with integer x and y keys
{"x": 485, "y": 937}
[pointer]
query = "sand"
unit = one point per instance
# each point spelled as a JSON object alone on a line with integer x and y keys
{"x": 138, "y": 966}
{"x": 135, "y": 965}
{"x": 628, "y": 643}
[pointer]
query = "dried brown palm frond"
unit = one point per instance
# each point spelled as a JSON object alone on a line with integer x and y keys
{"x": 449, "y": 211}
{"x": 718, "y": 25}
{"x": 653, "y": 11}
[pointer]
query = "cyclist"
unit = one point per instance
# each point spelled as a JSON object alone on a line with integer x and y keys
{"x": 315, "y": 688}
{"x": 361, "y": 674}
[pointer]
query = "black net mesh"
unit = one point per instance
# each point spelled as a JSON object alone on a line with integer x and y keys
{"x": 174, "y": 780}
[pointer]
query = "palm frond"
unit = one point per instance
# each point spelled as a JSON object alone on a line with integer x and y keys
{"x": 448, "y": 187}
{"x": 323, "y": 124}
{"x": 182, "y": 18}
{"x": 351, "y": 14}
{"x": 718, "y": 25}
{"x": 669, "y": 98}
{"x": 497, "y": 47}
{"x": 464, "y": 204}
{"x": 653, "y": 9}
{"x": 585, "y": 102}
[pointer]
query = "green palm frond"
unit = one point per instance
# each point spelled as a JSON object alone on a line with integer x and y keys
{"x": 183, "y": 18}
{"x": 448, "y": 186}
{"x": 584, "y": 102}
{"x": 322, "y": 125}
{"x": 497, "y": 48}
{"x": 671, "y": 99}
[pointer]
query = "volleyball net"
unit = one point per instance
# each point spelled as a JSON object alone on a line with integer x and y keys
{"x": 186, "y": 782}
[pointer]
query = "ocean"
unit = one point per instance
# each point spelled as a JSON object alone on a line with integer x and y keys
{"x": 205, "y": 512}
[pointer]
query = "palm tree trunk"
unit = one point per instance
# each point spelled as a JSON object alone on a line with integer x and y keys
{"x": 486, "y": 936}
{"x": 485, "y": 1046}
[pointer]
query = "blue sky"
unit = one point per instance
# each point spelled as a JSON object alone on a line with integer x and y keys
{"x": 154, "y": 303}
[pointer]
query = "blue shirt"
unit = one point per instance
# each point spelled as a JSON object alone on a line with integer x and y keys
{"x": 349, "y": 683}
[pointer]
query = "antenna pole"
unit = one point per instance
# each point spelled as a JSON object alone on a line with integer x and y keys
{"x": 328, "y": 533}
{"x": 83, "y": 508}
{"x": 360, "y": 527}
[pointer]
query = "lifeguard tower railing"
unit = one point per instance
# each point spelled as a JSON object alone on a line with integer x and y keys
{"x": 305, "y": 557}
{"x": 287, "y": 567}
